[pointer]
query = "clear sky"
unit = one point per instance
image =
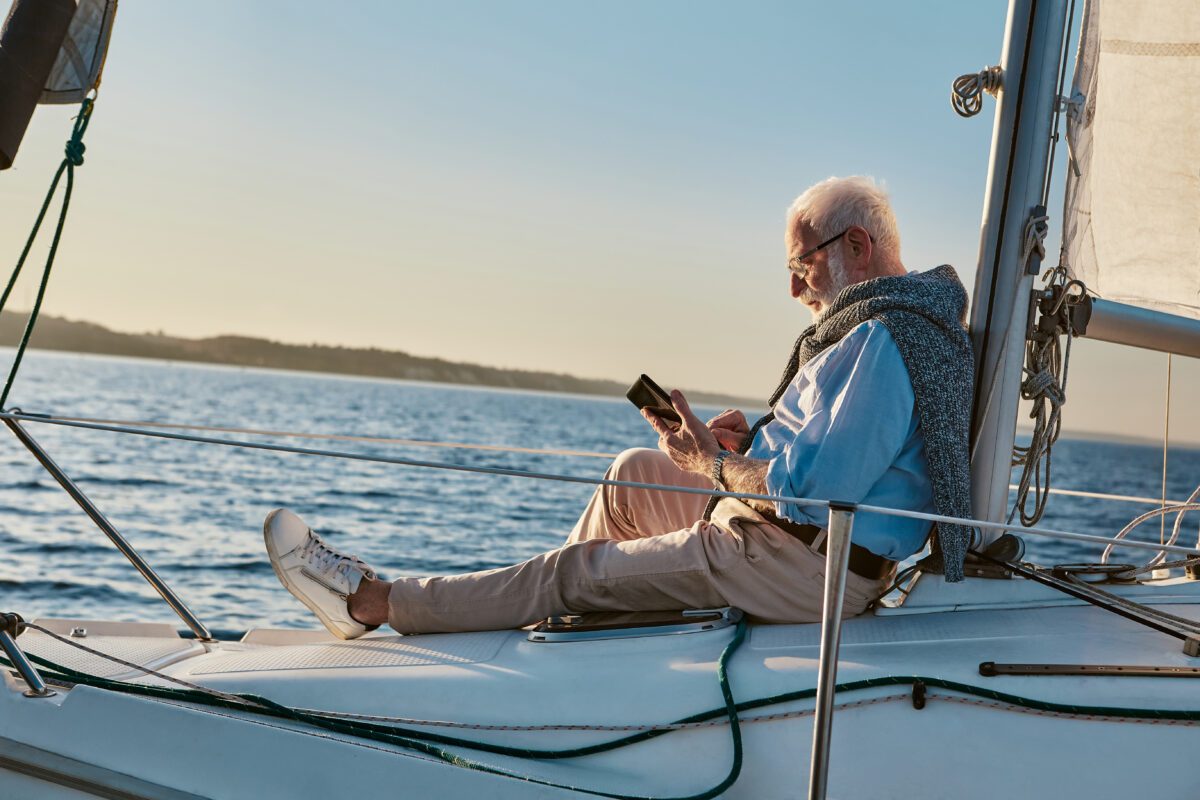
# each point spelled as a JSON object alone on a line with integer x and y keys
{"x": 594, "y": 188}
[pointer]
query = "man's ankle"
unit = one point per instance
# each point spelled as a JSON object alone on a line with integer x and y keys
{"x": 369, "y": 604}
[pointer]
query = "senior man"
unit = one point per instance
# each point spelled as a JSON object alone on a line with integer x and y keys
{"x": 872, "y": 407}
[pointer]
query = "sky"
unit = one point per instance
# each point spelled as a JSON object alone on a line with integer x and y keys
{"x": 592, "y": 188}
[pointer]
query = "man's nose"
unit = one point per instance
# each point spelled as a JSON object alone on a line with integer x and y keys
{"x": 797, "y": 285}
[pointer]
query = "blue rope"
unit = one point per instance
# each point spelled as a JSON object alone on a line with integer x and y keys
{"x": 73, "y": 158}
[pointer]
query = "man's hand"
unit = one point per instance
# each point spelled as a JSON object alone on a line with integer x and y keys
{"x": 692, "y": 446}
{"x": 730, "y": 428}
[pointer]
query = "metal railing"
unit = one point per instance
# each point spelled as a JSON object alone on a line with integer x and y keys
{"x": 89, "y": 508}
{"x": 10, "y": 628}
{"x": 837, "y": 561}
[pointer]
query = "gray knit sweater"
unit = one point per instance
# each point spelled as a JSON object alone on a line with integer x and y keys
{"x": 925, "y": 314}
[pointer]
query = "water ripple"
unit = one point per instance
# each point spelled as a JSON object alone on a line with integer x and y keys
{"x": 196, "y": 512}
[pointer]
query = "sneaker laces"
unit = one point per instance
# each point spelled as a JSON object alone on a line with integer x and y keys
{"x": 326, "y": 561}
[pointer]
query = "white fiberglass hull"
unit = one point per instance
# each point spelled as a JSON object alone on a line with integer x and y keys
{"x": 960, "y": 744}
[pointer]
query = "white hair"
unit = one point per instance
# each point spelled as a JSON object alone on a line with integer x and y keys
{"x": 834, "y": 204}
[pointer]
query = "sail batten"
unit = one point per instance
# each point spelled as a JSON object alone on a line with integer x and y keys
{"x": 1133, "y": 196}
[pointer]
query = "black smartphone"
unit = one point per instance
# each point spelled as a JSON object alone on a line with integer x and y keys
{"x": 645, "y": 393}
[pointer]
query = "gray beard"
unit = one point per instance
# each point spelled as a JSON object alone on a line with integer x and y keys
{"x": 838, "y": 275}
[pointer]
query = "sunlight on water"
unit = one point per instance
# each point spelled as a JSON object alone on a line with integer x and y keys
{"x": 195, "y": 511}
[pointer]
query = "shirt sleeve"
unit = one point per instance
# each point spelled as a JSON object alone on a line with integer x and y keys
{"x": 851, "y": 411}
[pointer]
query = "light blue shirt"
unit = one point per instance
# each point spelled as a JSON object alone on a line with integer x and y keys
{"x": 847, "y": 429}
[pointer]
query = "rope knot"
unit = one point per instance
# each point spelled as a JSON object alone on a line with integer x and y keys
{"x": 74, "y": 150}
{"x": 74, "y": 157}
{"x": 1036, "y": 229}
{"x": 1042, "y": 384}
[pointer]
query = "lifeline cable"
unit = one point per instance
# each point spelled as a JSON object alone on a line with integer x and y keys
{"x": 493, "y": 448}
{"x": 16, "y": 416}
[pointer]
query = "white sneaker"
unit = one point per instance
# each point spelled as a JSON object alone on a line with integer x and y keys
{"x": 319, "y": 576}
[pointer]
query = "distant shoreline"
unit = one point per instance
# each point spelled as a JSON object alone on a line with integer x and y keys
{"x": 68, "y": 336}
{"x": 64, "y": 335}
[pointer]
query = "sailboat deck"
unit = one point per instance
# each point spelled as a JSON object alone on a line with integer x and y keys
{"x": 515, "y": 692}
{"x": 502, "y": 677}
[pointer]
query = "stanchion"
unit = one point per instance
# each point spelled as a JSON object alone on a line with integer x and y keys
{"x": 10, "y": 626}
{"x": 837, "y": 559}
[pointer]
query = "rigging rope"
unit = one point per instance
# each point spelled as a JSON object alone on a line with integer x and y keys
{"x": 966, "y": 93}
{"x": 426, "y": 741}
{"x": 1062, "y": 106}
{"x": 16, "y": 416}
{"x": 1070, "y": 584}
{"x": 1162, "y": 521}
{"x": 341, "y": 437}
{"x": 1064, "y": 306}
{"x": 73, "y": 158}
{"x": 1190, "y": 505}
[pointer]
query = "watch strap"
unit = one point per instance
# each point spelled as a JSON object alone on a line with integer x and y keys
{"x": 718, "y": 470}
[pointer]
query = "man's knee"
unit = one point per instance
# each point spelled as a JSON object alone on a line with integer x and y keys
{"x": 638, "y": 463}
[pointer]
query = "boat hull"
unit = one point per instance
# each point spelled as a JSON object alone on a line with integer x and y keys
{"x": 956, "y": 738}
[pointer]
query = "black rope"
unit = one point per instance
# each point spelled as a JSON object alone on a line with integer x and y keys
{"x": 431, "y": 743}
{"x": 1135, "y": 612}
{"x": 72, "y": 159}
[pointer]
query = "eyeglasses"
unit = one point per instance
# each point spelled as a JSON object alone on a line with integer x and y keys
{"x": 801, "y": 269}
{"x": 797, "y": 265}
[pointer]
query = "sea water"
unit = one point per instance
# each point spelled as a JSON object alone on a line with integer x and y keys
{"x": 195, "y": 511}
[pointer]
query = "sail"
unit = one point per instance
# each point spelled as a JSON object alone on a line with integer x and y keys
{"x": 80, "y": 60}
{"x": 51, "y": 51}
{"x": 1131, "y": 226}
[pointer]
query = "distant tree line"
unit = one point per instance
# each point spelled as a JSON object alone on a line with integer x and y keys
{"x": 56, "y": 333}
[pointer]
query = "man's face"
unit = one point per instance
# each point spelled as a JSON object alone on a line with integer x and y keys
{"x": 820, "y": 284}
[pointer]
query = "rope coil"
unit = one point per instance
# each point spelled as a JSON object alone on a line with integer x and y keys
{"x": 1045, "y": 382}
{"x": 966, "y": 93}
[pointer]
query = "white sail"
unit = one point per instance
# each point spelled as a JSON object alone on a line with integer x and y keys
{"x": 77, "y": 69}
{"x": 1131, "y": 227}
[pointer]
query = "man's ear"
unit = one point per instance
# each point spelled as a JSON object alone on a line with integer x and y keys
{"x": 858, "y": 248}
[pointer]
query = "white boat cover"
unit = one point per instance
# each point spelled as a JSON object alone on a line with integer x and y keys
{"x": 1130, "y": 227}
{"x": 81, "y": 58}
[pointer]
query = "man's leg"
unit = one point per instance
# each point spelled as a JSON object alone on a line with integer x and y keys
{"x": 739, "y": 560}
{"x": 614, "y": 512}
{"x": 669, "y": 571}
{"x": 624, "y": 513}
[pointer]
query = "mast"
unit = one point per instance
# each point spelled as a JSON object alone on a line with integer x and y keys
{"x": 1016, "y": 179}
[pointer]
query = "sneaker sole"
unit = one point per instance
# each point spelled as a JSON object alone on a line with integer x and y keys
{"x": 287, "y": 582}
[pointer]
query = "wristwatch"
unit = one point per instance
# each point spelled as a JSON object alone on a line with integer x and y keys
{"x": 718, "y": 470}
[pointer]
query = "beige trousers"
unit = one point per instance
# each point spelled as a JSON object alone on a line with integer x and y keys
{"x": 638, "y": 550}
